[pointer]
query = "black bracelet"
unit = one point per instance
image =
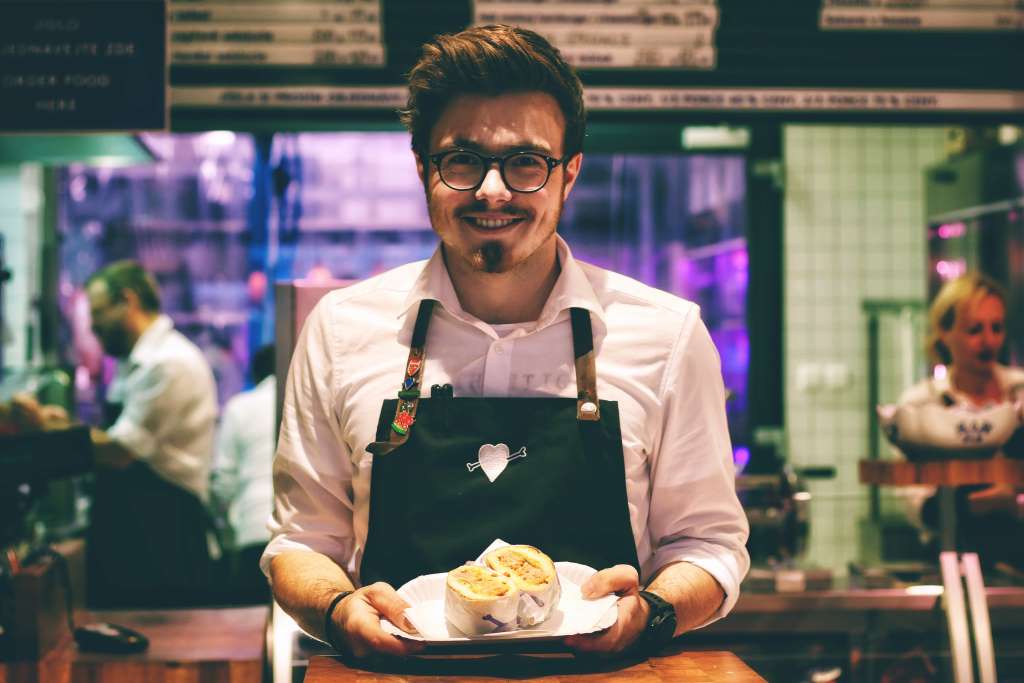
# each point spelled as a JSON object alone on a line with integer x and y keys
{"x": 328, "y": 621}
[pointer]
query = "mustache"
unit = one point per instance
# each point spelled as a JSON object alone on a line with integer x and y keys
{"x": 483, "y": 208}
{"x": 987, "y": 355}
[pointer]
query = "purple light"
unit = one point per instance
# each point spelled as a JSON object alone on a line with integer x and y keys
{"x": 950, "y": 270}
{"x": 951, "y": 230}
{"x": 741, "y": 456}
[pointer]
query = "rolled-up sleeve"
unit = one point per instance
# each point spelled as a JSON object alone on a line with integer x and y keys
{"x": 695, "y": 515}
{"x": 142, "y": 418}
{"x": 312, "y": 465}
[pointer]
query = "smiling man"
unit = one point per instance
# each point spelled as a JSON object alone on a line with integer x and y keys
{"x": 603, "y": 395}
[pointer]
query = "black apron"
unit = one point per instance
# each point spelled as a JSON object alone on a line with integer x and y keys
{"x": 557, "y": 466}
{"x": 146, "y": 543}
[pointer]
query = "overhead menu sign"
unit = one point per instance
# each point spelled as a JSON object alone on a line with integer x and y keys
{"x": 651, "y": 34}
{"x": 82, "y": 66}
{"x": 629, "y": 99}
{"x": 342, "y": 33}
{"x": 802, "y": 100}
{"x": 922, "y": 15}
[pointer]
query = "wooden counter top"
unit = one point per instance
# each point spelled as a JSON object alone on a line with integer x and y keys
{"x": 696, "y": 667}
{"x": 184, "y": 645}
{"x": 942, "y": 472}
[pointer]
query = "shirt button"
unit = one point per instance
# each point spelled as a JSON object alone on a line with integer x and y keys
{"x": 499, "y": 349}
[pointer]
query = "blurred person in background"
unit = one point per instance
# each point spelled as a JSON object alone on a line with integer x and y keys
{"x": 967, "y": 331}
{"x": 241, "y": 483}
{"x": 148, "y": 543}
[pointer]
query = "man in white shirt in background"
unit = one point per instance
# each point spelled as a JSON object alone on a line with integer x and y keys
{"x": 241, "y": 485}
{"x": 603, "y": 397}
{"x": 148, "y": 537}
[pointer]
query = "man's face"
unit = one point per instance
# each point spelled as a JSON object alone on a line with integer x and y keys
{"x": 978, "y": 334}
{"x": 493, "y": 229}
{"x": 108, "y": 320}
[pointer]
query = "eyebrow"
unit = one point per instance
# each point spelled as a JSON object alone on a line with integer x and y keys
{"x": 518, "y": 146}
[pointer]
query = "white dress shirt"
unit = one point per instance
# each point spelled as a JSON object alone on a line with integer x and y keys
{"x": 654, "y": 357}
{"x": 241, "y": 476}
{"x": 169, "y": 406}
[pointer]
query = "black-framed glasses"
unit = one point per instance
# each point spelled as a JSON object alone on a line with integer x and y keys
{"x": 464, "y": 169}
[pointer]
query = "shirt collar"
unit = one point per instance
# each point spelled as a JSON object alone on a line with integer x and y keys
{"x": 150, "y": 339}
{"x": 572, "y": 289}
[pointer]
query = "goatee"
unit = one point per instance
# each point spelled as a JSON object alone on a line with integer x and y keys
{"x": 489, "y": 257}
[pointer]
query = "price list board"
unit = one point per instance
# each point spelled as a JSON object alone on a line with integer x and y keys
{"x": 339, "y": 33}
{"x": 639, "y": 34}
{"x": 308, "y": 64}
{"x": 923, "y": 15}
{"x": 77, "y": 66}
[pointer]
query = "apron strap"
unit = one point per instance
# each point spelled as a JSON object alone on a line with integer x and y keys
{"x": 588, "y": 408}
{"x": 409, "y": 393}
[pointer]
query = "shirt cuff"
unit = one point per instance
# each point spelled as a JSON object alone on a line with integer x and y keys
{"x": 721, "y": 563}
{"x": 138, "y": 440}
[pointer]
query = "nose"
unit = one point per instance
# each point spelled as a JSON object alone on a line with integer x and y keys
{"x": 493, "y": 189}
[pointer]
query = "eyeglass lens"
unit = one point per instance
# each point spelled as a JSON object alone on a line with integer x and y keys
{"x": 523, "y": 171}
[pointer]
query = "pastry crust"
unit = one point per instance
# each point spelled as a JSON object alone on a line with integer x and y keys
{"x": 534, "y": 574}
{"x": 475, "y": 583}
{"x": 527, "y": 566}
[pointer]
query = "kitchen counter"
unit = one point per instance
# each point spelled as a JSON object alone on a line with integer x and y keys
{"x": 675, "y": 664}
{"x": 184, "y": 645}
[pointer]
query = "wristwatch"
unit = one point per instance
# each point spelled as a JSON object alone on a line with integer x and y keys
{"x": 661, "y": 624}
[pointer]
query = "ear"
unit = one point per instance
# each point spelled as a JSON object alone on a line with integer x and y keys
{"x": 572, "y": 171}
{"x": 131, "y": 298}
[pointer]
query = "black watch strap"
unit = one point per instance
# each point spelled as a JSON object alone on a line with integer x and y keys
{"x": 661, "y": 624}
{"x": 329, "y": 629}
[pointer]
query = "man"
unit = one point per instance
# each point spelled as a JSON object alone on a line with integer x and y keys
{"x": 623, "y": 464}
{"x": 147, "y": 543}
{"x": 240, "y": 482}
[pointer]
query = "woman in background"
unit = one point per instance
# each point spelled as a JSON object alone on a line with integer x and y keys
{"x": 967, "y": 330}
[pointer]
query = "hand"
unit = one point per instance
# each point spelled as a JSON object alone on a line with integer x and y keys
{"x": 32, "y": 417}
{"x": 357, "y": 620}
{"x": 994, "y": 499}
{"x": 633, "y": 610}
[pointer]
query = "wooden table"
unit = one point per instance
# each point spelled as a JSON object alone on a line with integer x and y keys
{"x": 942, "y": 472}
{"x": 970, "y": 637}
{"x": 185, "y": 646}
{"x": 674, "y": 665}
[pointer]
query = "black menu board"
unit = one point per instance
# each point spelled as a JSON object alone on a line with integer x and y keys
{"x": 82, "y": 65}
{"x": 319, "y": 63}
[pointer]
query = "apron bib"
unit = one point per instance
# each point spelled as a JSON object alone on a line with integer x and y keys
{"x": 451, "y": 474}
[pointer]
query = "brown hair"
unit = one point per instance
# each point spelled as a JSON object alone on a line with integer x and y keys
{"x": 128, "y": 274}
{"x": 951, "y": 300}
{"x": 491, "y": 60}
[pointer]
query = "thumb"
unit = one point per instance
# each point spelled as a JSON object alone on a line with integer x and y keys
{"x": 621, "y": 579}
{"x": 390, "y": 604}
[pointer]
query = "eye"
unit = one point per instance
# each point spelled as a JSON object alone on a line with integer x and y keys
{"x": 526, "y": 161}
{"x": 462, "y": 159}
{"x": 974, "y": 329}
{"x": 997, "y": 328}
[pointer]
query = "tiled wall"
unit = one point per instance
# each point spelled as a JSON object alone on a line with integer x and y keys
{"x": 19, "y": 222}
{"x": 854, "y": 230}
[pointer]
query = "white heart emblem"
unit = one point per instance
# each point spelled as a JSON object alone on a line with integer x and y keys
{"x": 493, "y": 459}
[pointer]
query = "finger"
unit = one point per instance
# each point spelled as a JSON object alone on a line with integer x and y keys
{"x": 365, "y": 637}
{"x": 592, "y": 643}
{"x": 390, "y": 604}
{"x": 387, "y": 644}
{"x": 622, "y": 578}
